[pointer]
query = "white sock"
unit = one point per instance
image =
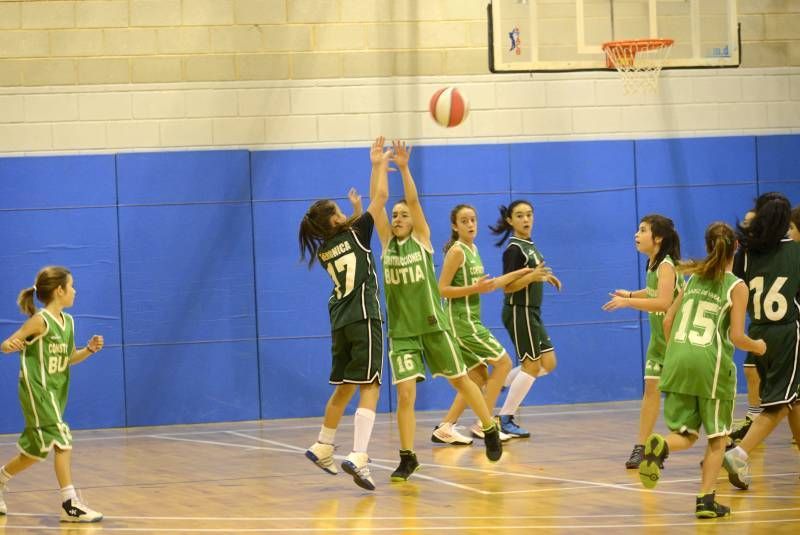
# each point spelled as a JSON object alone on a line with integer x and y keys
{"x": 542, "y": 372}
{"x": 364, "y": 419}
{"x": 739, "y": 452}
{"x": 5, "y": 477}
{"x": 511, "y": 376}
{"x": 326, "y": 435}
{"x": 519, "y": 389}
{"x": 68, "y": 493}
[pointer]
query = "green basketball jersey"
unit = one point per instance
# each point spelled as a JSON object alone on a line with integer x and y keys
{"x": 464, "y": 313}
{"x": 531, "y": 295}
{"x": 658, "y": 343}
{"x": 44, "y": 372}
{"x": 413, "y": 301}
{"x": 699, "y": 358}
{"x": 348, "y": 260}
{"x": 773, "y": 283}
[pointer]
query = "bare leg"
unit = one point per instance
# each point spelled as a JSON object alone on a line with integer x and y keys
{"x": 18, "y": 464}
{"x": 651, "y": 403}
{"x": 753, "y": 386}
{"x": 762, "y": 427}
{"x": 63, "y": 468}
{"x": 479, "y": 377}
{"x": 494, "y": 385}
{"x": 406, "y": 419}
{"x": 472, "y": 396}
{"x": 712, "y": 463}
{"x": 794, "y": 423}
{"x": 337, "y": 404}
{"x": 679, "y": 442}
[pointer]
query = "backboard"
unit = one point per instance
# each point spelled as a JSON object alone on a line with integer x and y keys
{"x": 567, "y": 35}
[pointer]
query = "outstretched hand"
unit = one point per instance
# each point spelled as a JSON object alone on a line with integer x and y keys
{"x": 14, "y": 344}
{"x": 552, "y": 279}
{"x": 402, "y": 153}
{"x": 377, "y": 155}
{"x": 617, "y": 302}
{"x": 355, "y": 198}
{"x": 485, "y": 284}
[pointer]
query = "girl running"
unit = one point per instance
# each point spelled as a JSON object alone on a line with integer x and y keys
{"x": 699, "y": 376}
{"x": 46, "y": 344}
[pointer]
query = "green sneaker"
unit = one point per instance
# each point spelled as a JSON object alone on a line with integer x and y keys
{"x": 655, "y": 451}
{"x": 707, "y": 507}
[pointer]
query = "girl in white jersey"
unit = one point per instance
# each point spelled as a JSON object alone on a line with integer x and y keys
{"x": 46, "y": 344}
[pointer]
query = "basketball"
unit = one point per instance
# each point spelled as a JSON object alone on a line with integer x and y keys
{"x": 449, "y": 107}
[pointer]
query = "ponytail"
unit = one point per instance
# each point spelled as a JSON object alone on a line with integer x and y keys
{"x": 503, "y": 228}
{"x": 720, "y": 246}
{"x": 316, "y": 227}
{"x": 663, "y": 227}
{"x": 47, "y": 281}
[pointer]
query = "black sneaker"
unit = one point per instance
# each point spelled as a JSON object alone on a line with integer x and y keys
{"x": 707, "y": 507}
{"x": 655, "y": 451}
{"x": 738, "y": 434}
{"x": 408, "y": 465}
{"x": 636, "y": 458}
{"x": 494, "y": 446}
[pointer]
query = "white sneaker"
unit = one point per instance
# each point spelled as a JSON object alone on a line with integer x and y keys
{"x": 477, "y": 432}
{"x": 447, "y": 433}
{"x": 3, "y": 509}
{"x": 738, "y": 470}
{"x": 76, "y": 511}
{"x": 355, "y": 464}
{"x": 322, "y": 455}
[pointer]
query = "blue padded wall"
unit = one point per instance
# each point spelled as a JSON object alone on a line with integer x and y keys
{"x": 186, "y": 249}
{"x": 187, "y": 262}
{"x": 60, "y": 211}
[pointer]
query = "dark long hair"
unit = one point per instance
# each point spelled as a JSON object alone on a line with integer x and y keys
{"x": 720, "y": 246}
{"x": 502, "y": 228}
{"x": 453, "y": 217}
{"x": 47, "y": 281}
{"x": 769, "y": 226}
{"x": 663, "y": 227}
{"x": 316, "y": 228}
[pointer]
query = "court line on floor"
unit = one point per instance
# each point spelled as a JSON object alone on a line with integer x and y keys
{"x": 695, "y": 523}
{"x": 404, "y": 517}
{"x": 265, "y": 426}
{"x": 372, "y": 463}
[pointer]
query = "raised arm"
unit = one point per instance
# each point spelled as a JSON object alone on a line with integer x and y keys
{"x": 422, "y": 231}
{"x": 379, "y": 189}
{"x": 33, "y": 327}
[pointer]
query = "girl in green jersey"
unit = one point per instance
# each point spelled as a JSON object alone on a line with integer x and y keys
{"x": 342, "y": 247}
{"x": 461, "y": 282}
{"x": 699, "y": 376}
{"x": 46, "y": 344}
{"x": 417, "y": 323}
{"x": 656, "y": 238}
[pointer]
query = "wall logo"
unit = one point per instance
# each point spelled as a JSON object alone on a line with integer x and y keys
{"x": 515, "y": 41}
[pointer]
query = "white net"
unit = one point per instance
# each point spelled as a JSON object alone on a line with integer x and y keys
{"x": 638, "y": 62}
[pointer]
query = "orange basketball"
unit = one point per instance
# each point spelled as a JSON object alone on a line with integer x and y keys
{"x": 449, "y": 107}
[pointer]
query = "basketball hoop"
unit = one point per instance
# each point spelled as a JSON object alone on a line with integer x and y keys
{"x": 638, "y": 62}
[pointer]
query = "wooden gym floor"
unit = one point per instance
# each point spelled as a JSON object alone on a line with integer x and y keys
{"x": 252, "y": 477}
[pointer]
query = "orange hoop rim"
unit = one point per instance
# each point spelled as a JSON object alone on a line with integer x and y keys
{"x": 638, "y": 44}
